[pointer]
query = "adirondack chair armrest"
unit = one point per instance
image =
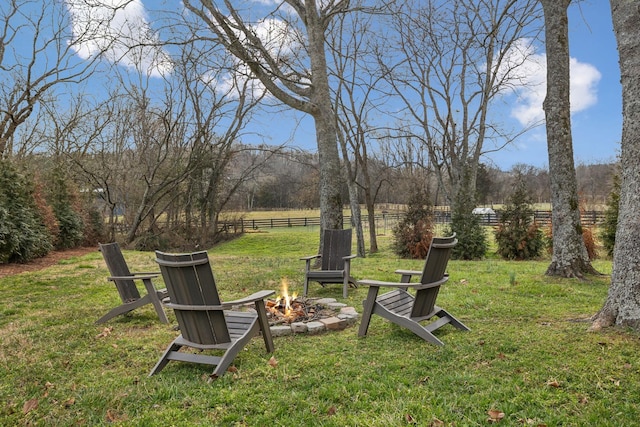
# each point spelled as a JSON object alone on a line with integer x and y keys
{"x": 408, "y": 272}
{"x": 258, "y": 296}
{"x": 308, "y": 259}
{"x": 349, "y": 257}
{"x": 188, "y": 307}
{"x": 146, "y": 273}
{"x": 407, "y": 275}
{"x": 380, "y": 283}
{"x": 133, "y": 277}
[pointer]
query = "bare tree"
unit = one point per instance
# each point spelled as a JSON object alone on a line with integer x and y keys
{"x": 622, "y": 306}
{"x": 37, "y": 55}
{"x": 291, "y": 63}
{"x": 455, "y": 59}
{"x": 356, "y": 97}
{"x": 570, "y": 258}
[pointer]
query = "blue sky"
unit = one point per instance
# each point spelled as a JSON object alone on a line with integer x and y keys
{"x": 596, "y": 92}
{"x": 596, "y": 130}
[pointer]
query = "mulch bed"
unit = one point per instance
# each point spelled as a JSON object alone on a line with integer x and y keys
{"x": 46, "y": 261}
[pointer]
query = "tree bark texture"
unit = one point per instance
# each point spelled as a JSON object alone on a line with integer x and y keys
{"x": 622, "y": 306}
{"x": 324, "y": 117}
{"x": 570, "y": 258}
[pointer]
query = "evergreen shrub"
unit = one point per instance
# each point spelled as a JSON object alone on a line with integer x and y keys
{"x": 23, "y": 235}
{"x": 414, "y": 232}
{"x": 518, "y": 236}
{"x": 608, "y": 228}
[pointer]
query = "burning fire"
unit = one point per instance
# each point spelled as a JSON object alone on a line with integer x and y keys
{"x": 284, "y": 299}
{"x": 287, "y": 308}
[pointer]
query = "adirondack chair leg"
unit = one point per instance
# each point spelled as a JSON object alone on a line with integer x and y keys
{"x": 305, "y": 288}
{"x": 345, "y": 279}
{"x": 368, "y": 304}
{"x": 231, "y": 353}
{"x": 124, "y": 308}
{"x": 442, "y": 313}
{"x": 173, "y": 347}
{"x": 263, "y": 321}
{"x": 345, "y": 286}
{"x": 152, "y": 293}
{"x": 419, "y": 330}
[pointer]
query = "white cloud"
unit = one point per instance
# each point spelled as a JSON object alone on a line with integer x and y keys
{"x": 531, "y": 77}
{"x": 119, "y": 31}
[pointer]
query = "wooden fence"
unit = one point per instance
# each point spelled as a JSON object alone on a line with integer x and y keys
{"x": 387, "y": 220}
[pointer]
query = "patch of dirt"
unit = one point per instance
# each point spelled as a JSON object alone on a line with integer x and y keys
{"x": 52, "y": 258}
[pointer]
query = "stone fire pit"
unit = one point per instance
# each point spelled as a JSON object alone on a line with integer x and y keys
{"x": 332, "y": 316}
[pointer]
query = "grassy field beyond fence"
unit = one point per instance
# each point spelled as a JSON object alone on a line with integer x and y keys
{"x": 528, "y": 355}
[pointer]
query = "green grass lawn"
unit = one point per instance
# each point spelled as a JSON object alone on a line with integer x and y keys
{"x": 528, "y": 354}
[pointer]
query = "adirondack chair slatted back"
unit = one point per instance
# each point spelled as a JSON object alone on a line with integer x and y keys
{"x": 190, "y": 281}
{"x": 435, "y": 268}
{"x": 336, "y": 245}
{"x": 118, "y": 268}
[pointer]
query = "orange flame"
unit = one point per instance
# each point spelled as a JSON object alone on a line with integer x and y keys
{"x": 284, "y": 297}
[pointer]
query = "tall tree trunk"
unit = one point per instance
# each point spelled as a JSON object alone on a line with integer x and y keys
{"x": 356, "y": 217}
{"x": 570, "y": 258}
{"x": 371, "y": 215}
{"x": 326, "y": 132}
{"x": 622, "y": 306}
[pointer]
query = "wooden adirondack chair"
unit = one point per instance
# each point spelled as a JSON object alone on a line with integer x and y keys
{"x": 205, "y": 322}
{"x": 125, "y": 283}
{"x": 335, "y": 261}
{"x": 407, "y": 310}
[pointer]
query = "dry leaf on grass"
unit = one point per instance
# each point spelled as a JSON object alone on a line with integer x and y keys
{"x": 29, "y": 405}
{"x": 495, "y": 415}
{"x": 113, "y": 416}
{"x": 105, "y": 332}
{"x": 273, "y": 362}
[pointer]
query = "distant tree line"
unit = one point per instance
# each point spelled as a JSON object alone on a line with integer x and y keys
{"x": 154, "y": 196}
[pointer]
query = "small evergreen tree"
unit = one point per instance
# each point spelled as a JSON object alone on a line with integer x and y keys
{"x": 23, "y": 235}
{"x": 608, "y": 230}
{"x": 413, "y": 234}
{"x": 64, "y": 201}
{"x": 518, "y": 236}
{"x": 472, "y": 239}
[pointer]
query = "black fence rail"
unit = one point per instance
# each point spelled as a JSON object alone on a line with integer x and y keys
{"x": 387, "y": 220}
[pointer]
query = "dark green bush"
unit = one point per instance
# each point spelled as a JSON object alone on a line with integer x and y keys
{"x": 94, "y": 228}
{"x": 608, "y": 228}
{"x": 71, "y": 227}
{"x": 518, "y": 236}
{"x": 472, "y": 239}
{"x": 413, "y": 234}
{"x": 23, "y": 235}
{"x": 64, "y": 202}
